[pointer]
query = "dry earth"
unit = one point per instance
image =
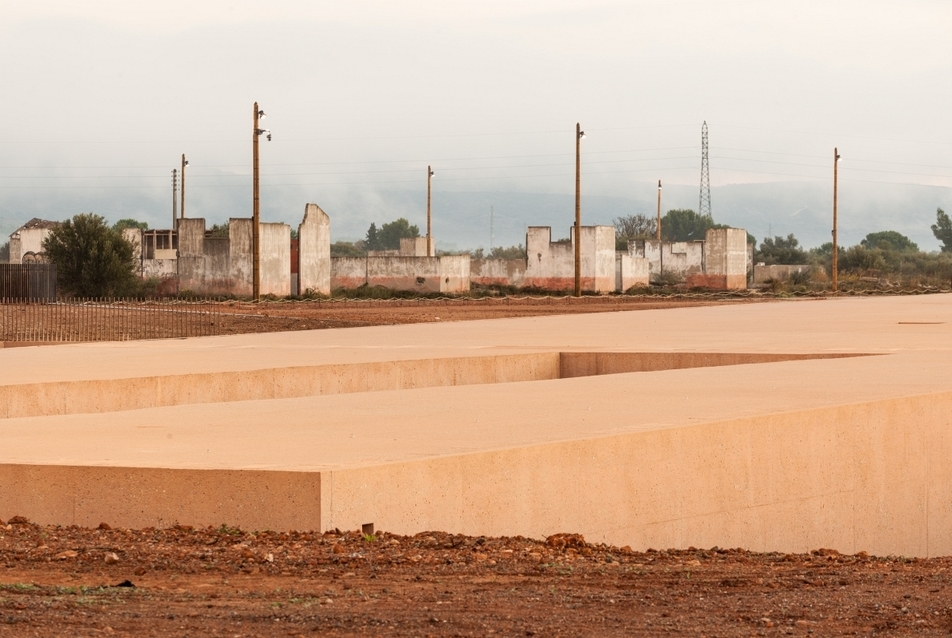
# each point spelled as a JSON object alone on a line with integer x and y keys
{"x": 59, "y": 581}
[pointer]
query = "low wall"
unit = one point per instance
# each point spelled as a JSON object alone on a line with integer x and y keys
{"x": 630, "y": 272}
{"x": 551, "y": 265}
{"x": 449, "y": 273}
{"x": 498, "y": 272}
{"x": 275, "y": 259}
{"x": 778, "y": 272}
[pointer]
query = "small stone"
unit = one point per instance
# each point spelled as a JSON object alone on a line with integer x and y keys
{"x": 139, "y": 571}
{"x": 269, "y": 557}
{"x": 111, "y": 558}
{"x": 338, "y": 549}
{"x": 327, "y": 601}
{"x": 104, "y": 526}
{"x": 66, "y": 555}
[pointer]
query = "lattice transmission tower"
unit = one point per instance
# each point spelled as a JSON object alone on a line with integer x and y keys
{"x": 704, "y": 205}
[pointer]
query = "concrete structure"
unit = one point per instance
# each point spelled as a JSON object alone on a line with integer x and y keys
{"x": 630, "y": 272}
{"x": 314, "y": 251}
{"x": 498, "y": 272}
{"x": 449, "y": 273}
{"x": 551, "y": 265}
{"x": 720, "y": 261}
{"x": 783, "y": 426}
{"x": 777, "y": 272}
{"x": 26, "y": 242}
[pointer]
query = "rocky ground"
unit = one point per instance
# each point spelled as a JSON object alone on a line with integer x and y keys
{"x": 59, "y": 581}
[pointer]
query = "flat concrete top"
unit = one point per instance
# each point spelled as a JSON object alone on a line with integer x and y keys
{"x": 870, "y": 324}
{"x": 914, "y": 335}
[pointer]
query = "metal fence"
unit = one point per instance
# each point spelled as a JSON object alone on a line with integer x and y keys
{"x": 74, "y": 320}
{"x": 28, "y": 281}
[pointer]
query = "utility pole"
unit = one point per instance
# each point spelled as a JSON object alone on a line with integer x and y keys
{"x": 182, "y": 207}
{"x": 491, "y": 233}
{"x": 174, "y": 198}
{"x": 579, "y": 134}
{"x": 836, "y": 265}
{"x": 429, "y": 218}
{"x": 256, "y": 209}
{"x": 658, "y": 235}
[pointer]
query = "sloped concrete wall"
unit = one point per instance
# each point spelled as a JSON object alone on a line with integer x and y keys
{"x": 314, "y": 251}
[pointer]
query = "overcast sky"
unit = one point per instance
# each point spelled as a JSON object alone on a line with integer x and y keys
{"x": 101, "y": 98}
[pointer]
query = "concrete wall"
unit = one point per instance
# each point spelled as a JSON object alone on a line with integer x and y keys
{"x": 498, "y": 272}
{"x": 314, "y": 251}
{"x": 414, "y": 247}
{"x": 678, "y": 259}
{"x": 778, "y": 272}
{"x": 276, "y": 259}
{"x": 449, "y": 273}
{"x": 725, "y": 258}
{"x": 551, "y": 266}
{"x": 630, "y": 272}
{"x": 241, "y": 256}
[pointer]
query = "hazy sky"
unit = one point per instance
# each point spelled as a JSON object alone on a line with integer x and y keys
{"x": 101, "y": 98}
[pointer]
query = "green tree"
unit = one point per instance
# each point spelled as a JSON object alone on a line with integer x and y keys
{"x": 889, "y": 240}
{"x": 512, "y": 252}
{"x": 942, "y": 229}
{"x": 391, "y": 233}
{"x": 372, "y": 242}
{"x": 5, "y": 252}
{"x": 631, "y": 227}
{"x": 683, "y": 224}
{"x": 346, "y": 249}
{"x": 780, "y": 250}
{"x": 92, "y": 259}
{"x": 128, "y": 222}
{"x": 220, "y": 230}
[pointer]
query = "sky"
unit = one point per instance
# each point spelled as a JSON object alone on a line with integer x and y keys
{"x": 102, "y": 98}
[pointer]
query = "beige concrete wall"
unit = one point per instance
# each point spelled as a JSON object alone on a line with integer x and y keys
{"x": 27, "y": 241}
{"x": 853, "y": 478}
{"x": 241, "y": 256}
{"x": 314, "y": 251}
{"x": 454, "y": 273}
{"x": 679, "y": 259}
{"x": 276, "y": 259}
{"x": 498, "y": 272}
{"x": 414, "y": 247}
{"x": 348, "y": 272}
{"x": 630, "y": 272}
{"x": 551, "y": 266}
{"x": 725, "y": 255}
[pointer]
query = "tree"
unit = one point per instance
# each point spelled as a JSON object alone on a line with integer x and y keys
{"x": 512, "y": 252}
{"x": 391, "y": 233}
{"x": 372, "y": 242}
{"x": 942, "y": 229}
{"x": 683, "y": 224}
{"x": 5, "y": 252}
{"x": 92, "y": 259}
{"x": 889, "y": 240}
{"x": 128, "y": 222}
{"x": 779, "y": 250}
{"x": 220, "y": 230}
{"x": 346, "y": 249}
{"x": 631, "y": 227}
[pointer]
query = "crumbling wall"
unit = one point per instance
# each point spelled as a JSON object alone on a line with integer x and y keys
{"x": 449, "y": 273}
{"x": 454, "y": 273}
{"x": 314, "y": 251}
{"x": 778, "y": 272}
{"x": 241, "y": 256}
{"x": 725, "y": 258}
{"x": 551, "y": 266}
{"x": 630, "y": 272}
{"x": 414, "y": 247}
{"x": 348, "y": 272}
{"x": 670, "y": 259}
{"x": 498, "y": 272}
{"x": 276, "y": 259}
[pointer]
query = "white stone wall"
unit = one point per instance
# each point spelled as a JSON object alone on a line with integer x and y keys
{"x": 314, "y": 251}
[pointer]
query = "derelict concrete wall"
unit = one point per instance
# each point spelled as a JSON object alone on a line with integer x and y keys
{"x": 159, "y": 268}
{"x": 27, "y": 240}
{"x": 241, "y": 256}
{"x": 863, "y": 477}
{"x": 778, "y": 272}
{"x": 16, "y": 249}
{"x": 413, "y": 247}
{"x": 551, "y": 266}
{"x": 405, "y": 273}
{"x": 276, "y": 259}
{"x": 725, "y": 255}
{"x": 674, "y": 258}
{"x": 191, "y": 254}
{"x": 454, "y": 273}
{"x": 498, "y": 272}
{"x": 630, "y": 272}
{"x": 314, "y": 251}
{"x": 348, "y": 272}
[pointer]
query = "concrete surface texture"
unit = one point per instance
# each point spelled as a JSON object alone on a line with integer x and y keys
{"x": 314, "y": 251}
{"x": 739, "y": 425}
{"x": 551, "y": 265}
{"x": 448, "y": 273}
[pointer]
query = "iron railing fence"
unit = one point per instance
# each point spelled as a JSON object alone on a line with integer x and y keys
{"x": 28, "y": 281}
{"x": 107, "y": 319}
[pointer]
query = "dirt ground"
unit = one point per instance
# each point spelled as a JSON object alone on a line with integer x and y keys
{"x": 59, "y": 581}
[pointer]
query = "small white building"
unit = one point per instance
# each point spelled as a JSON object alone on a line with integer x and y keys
{"x": 26, "y": 242}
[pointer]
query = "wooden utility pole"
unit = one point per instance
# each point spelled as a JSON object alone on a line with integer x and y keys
{"x": 579, "y": 134}
{"x": 182, "y": 207}
{"x": 429, "y": 218}
{"x": 658, "y": 229}
{"x": 836, "y": 265}
{"x": 255, "y": 214}
{"x": 174, "y": 198}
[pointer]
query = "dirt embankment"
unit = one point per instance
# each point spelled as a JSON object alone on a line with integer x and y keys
{"x": 183, "y": 581}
